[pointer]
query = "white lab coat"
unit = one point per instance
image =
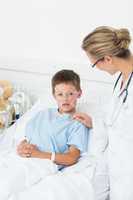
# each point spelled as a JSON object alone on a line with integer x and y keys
{"x": 117, "y": 126}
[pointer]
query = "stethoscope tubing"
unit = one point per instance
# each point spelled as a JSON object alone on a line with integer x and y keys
{"x": 126, "y": 88}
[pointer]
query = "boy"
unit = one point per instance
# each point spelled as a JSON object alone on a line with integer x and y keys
{"x": 52, "y": 135}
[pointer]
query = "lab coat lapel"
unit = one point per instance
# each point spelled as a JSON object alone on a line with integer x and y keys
{"x": 115, "y": 105}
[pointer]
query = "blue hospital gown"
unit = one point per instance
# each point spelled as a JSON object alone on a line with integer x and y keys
{"x": 55, "y": 132}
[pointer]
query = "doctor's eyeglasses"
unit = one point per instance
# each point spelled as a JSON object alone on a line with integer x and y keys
{"x": 93, "y": 65}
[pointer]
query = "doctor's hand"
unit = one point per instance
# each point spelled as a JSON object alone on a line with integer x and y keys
{"x": 83, "y": 118}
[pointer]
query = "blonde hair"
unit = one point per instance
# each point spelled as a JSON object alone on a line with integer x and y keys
{"x": 106, "y": 40}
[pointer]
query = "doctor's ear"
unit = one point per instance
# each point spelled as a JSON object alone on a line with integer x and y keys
{"x": 108, "y": 59}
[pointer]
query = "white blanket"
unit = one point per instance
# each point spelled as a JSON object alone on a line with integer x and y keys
{"x": 75, "y": 182}
{"x": 18, "y": 174}
{"x": 61, "y": 186}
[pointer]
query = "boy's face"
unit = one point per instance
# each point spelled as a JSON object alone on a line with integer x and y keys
{"x": 66, "y": 96}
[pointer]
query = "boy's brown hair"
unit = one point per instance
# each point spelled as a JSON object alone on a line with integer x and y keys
{"x": 66, "y": 76}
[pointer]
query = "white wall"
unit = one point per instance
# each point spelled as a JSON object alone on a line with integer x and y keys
{"x": 53, "y": 29}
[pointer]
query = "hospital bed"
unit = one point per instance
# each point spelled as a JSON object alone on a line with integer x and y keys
{"x": 88, "y": 178}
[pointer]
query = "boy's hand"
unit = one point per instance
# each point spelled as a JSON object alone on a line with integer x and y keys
{"x": 35, "y": 152}
{"x": 24, "y": 149}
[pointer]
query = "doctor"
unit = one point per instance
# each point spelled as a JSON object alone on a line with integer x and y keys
{"x": 108, "y": 49}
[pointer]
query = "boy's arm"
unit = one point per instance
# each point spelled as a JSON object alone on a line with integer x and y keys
{"x": 68, "y": 158}
{"x": 77, "y": 143}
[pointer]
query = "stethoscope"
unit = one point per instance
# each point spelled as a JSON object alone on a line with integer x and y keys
{"x": 118, "y": 100}
{"x": 125, "y": 90}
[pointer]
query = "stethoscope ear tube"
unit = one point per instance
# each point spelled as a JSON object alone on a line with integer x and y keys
{"x": 117, "y": 81}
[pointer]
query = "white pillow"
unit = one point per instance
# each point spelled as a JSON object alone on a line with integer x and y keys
{"x": 15, "y": 133}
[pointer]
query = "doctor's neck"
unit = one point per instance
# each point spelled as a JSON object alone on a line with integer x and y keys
{"x": 126, "y": 67}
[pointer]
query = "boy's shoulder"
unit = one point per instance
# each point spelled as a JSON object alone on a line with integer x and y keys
{"x": 78, "y": 124}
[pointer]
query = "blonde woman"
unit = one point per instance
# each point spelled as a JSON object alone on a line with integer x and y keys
{"x": 108, "y": 49}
